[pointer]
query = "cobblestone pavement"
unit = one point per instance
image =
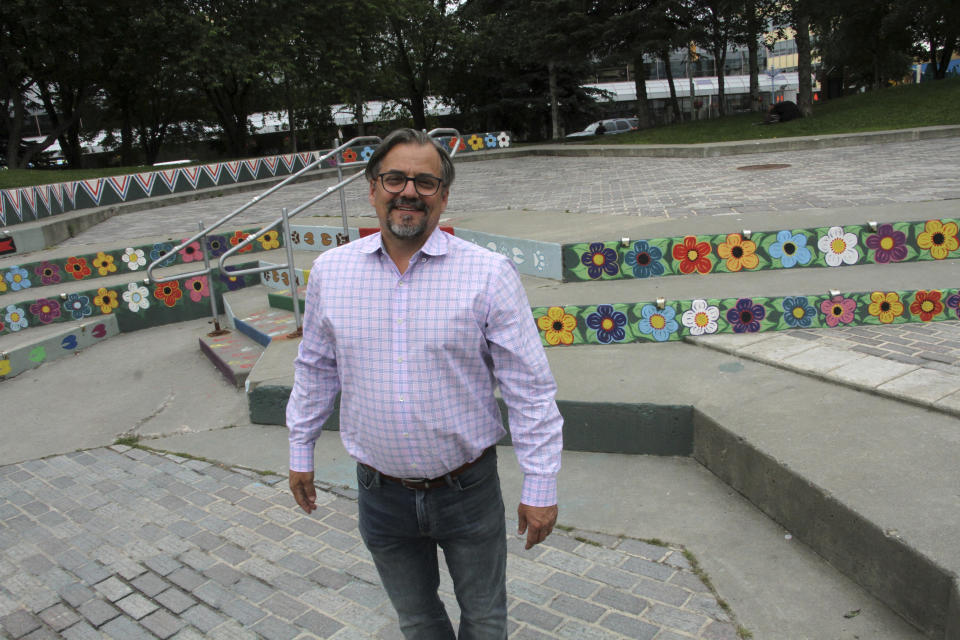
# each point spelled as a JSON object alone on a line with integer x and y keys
{"x": 649, "y": 187}
{"x": 126, "y": 543}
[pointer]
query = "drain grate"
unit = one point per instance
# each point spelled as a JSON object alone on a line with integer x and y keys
{"x": 762, "y": 167}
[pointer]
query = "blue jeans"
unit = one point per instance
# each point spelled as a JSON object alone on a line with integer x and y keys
{"x": 402, "y": 529}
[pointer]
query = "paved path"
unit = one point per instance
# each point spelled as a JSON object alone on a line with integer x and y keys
{"x": 130, "y": 544}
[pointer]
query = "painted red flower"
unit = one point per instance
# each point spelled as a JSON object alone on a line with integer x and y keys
{"x": 926, "y": 304}
{"x": 693, "y": 255}
{"x": 77, "y": 267}
{"x": 349, "y": 155}
{"x": 168, "y": 293}
{"x": 237, "y": 238}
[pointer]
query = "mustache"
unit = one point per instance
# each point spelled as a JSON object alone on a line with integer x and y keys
{"x": 416, "y": 203}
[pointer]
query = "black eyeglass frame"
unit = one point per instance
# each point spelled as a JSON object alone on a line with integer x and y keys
{"x": 409, "y": 179}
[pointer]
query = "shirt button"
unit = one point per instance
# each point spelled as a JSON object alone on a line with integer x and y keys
{"x": 399, "y": 359}
{"x": 423, "y": 259}
{"x": 401, "y": 399}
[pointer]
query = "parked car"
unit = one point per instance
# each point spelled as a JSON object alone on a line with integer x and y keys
{"x": 615, "y": 125}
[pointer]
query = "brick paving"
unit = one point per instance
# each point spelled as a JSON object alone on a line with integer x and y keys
{"x": 152, "y": 545}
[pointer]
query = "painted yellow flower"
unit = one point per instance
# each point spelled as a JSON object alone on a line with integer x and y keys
{"x": 106, "y": 300}
{"x": 3, "y": 286}
{"x": 739, "y": 253}
{"x": 4, "y": 367}
{"x": 103, "y": 263}
{"x": 885, "y": 306}
{"x": 557, "y": 326}
{"x": 938, "y": 238}
{"x": 269, "y": 240}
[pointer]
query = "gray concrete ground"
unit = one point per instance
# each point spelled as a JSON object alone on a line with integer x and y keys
{"x": 120, "y": 543}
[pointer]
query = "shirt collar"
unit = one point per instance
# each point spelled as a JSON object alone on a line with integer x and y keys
{"x": 437, "y": 243}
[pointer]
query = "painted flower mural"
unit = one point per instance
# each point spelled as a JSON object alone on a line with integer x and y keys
{"x": 798, "y": 312}
{"x": 693, "y": 255}
{"x": 134, "y": 258}
{"x": 644, "y": 260}
{"x": 745, "y": 316}
{"x": 838, "y": 310}
{"x": 557, "y": 326}
{"x": 888, "y": 244}
{"x": 216, "y": 246}
{"x": 701, "y": 318}
{"x": 106, "y": 299}
{"x": 198, "y": 288}
{"x": 885, "y": 307}
{"x": 237, "y": 238}
{"x": 791, "y": 249}
{"x": 503, "y": 139}
{"x": 136, "y": 297}
{"x": 17, "y": 278}
{"x": 608, "y": 323}
{"x": 739, "y": 253}
{"x": 161, "y": 249}
{"x": 45, "y": 310}
{"x": 191, "y": 252}
{"x": 78, "y": 306}
{"x": 16, "y": 318}
{"x": 103, "y": 263}
{"x": 48, "y": 273}
{"x": 600, "y": 259}
{"x": 657, "y": 323}
{"x": 926, "y": 304}
{"x": 269, "y": 240}
{"x": 168, "y": 293}
{"x": 838, "y": 247}
{"x": 938, "y": 238}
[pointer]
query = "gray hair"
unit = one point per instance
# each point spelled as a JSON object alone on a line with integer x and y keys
{"x": 410, "y": 136}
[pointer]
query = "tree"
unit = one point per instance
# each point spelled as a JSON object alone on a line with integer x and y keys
{"x": 935, "y": 27}
{"x": 717, "y": 25}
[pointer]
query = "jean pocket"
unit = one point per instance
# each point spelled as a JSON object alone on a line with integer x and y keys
{"x": 366, "y": 477}
{"x": 476, "y": 476}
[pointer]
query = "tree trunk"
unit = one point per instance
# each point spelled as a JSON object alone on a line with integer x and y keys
{"x": 721, "y": 94}
{"x": 126, "y": 135}
{"x": 674, "y": 103}
{"x": 940, "y": 67}
{"x": 753, "y": 49}
{"x": 640, "y": 82}
{"x": 554, "y": 100}
{"x": 14, "y": 129}
{"x": 804, "y": 65}
{"x": 358, "y": 116}
{"x": 291, "y": 119}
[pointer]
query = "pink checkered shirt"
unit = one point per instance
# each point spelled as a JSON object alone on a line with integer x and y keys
{"x": 417, "y": 358}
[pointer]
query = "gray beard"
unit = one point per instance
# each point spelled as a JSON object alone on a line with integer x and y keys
{"x": 406, "y": 230}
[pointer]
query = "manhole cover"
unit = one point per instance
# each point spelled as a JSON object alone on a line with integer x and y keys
{"x": 762, "y": 167}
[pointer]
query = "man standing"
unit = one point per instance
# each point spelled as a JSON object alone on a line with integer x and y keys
{"x": 416, "y": 328}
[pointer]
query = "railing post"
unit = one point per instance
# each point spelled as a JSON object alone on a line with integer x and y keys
{"x": 214, "y": 309}
{"x": 292, "y": 272}
{"x": 343, "y": 199}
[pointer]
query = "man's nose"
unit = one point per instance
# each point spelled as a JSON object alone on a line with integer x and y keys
{"x": 410, "y": 189}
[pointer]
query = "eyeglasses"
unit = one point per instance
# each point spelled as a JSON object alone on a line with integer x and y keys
{"x": 396, "y": 182}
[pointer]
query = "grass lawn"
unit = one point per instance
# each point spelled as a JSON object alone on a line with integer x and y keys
{"x": 11, "y": 178}
{"x": 920, "y": 105}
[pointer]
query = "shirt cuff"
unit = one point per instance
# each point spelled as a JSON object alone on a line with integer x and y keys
{"x": 301, "y": 457}
{"x": 539, "y": 491}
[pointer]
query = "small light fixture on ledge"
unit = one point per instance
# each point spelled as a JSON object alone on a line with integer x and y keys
{"x": 661, "y": 303}
{"x": 834, "y": 293}
{"x": 624, "y": 242}
{"x": 872, "y": 224}
{"x": 747, "y": 233}
{"x": 63, "y": 296}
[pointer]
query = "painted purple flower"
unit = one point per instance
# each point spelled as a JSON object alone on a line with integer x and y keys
{"x": 49, "y": 273}
{"x": 217, "y": 246}
{"x": 746, "y": 316}
{"x": 889, "y": 245}
{"x": 599, "y": 259}
{"x": 233, "y": 282}
{"x": 609, "y": 324}
{"x": 954, "y": 303}
{"x": 45, "y": 310}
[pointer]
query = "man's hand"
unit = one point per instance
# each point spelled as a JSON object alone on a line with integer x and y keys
{"x": 301, "y": 485}
{"x": 536, "y": 521}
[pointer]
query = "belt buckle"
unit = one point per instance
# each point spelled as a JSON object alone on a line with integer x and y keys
{"x": 415, "y": 483}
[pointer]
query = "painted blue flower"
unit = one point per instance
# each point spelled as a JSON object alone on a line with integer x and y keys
{"x": 491, "y": 141}
{"x": 797, "y": 311}
{"x": 644, "y": 260}
{"x": 599, "y": 259}
{"x": 791, "y": 249}
{"x": 77, "y": 306}
{"x": 161, "y": 249}
{"x": 16, "y": 318}
{"x": 659, "y": 323}
{"x": 366, "y": 153}
{"x": 746, "y": 316}
{"x": 18, "y": 278}
{"x": 609, "y": 324}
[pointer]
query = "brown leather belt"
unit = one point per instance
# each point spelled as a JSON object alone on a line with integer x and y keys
{"x": 432, "y": 483}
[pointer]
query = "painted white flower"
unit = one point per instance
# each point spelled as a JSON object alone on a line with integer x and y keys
{"x": 134, "y": 258}
{"x": 503, "y": 140}
{"x": 701, "y": 318}
{"x": 137, "y": 297}
{"x": 839, "y": 247}
{"x": 517, "y": 256}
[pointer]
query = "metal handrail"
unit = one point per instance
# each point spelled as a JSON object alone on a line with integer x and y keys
{"x": 153, "y": 265}
{"x": 283, "y": 221}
